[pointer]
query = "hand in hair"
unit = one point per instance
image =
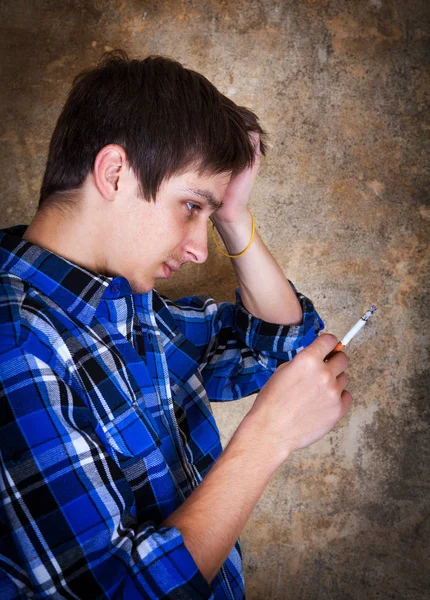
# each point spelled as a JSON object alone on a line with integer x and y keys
{"x": 238, "y": 192}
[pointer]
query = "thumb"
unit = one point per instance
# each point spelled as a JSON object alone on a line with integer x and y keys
{"x": 323, "y": 345}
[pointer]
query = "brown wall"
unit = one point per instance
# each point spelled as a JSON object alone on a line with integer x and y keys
{"x": 341, "y": 201}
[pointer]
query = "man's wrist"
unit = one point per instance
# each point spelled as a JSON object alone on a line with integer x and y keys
{"x": 235, "y": 234}
{"x": 255, "y": 441}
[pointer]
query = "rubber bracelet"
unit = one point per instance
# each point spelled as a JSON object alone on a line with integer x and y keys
{"x": 243, "y": 251}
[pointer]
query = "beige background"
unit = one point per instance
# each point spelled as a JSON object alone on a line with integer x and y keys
{"x": 342, "y": 89}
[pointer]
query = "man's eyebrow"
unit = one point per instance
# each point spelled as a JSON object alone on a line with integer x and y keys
{"x": 206, "y": 195}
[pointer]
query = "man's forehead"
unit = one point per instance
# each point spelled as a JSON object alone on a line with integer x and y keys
{"x": 209, "y": 188}
{"x": 204, "y": 194}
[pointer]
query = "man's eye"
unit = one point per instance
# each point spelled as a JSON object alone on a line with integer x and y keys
{"x": 192, "y": 207}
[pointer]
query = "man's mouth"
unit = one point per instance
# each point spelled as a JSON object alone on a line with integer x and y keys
{"x": 169, "y": 269}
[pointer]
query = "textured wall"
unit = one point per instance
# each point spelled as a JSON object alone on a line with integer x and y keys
{"x": 341, "y": 201}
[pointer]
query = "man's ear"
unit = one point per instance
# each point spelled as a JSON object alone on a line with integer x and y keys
{"x": 110, "y": 165}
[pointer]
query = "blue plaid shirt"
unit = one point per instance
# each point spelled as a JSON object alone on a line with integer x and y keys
{"x": 106, "y": 425}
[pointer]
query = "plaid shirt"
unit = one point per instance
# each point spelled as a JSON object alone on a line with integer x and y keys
{"x": 106, "y": 425}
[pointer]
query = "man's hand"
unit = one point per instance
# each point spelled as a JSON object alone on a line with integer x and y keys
{"x": 238, "y": 191}
{"x": 303, "y": 400}
{"x": 299, "y": 404}
{"x": 264, "y": 289}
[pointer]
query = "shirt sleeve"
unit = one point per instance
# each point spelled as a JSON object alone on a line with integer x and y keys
{"x": 67, "y": 516}
{"x": 239, "y": 352}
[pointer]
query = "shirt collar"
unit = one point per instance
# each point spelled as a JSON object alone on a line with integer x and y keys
{"x": 76, "y": 289}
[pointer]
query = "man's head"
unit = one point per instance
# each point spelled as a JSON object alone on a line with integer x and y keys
{"x": 167, "y": 118}
{"x": 142, "y": 152}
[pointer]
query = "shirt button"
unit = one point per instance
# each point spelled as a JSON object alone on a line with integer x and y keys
{"x": 115, "y": 288}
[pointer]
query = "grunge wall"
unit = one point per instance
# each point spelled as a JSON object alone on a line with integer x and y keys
{"x": 341, "y": 201}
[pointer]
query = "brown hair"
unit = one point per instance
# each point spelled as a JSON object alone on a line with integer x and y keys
{"x": 166, "y": 117}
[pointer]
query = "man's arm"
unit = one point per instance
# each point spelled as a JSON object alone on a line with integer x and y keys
{"x": 300, "y": 403}
{"x": 264, "y": 289}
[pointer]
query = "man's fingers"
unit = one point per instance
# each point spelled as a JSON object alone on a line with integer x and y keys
{"x": 338, "y": 363}
{"x": 342, "y": 381}
{"x": 254, "y": 136}
{"x": 346, "y": 400}
{"x": 323, "y": 345}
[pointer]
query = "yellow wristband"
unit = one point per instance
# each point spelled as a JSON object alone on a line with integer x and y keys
{"x": 243, "y": 251}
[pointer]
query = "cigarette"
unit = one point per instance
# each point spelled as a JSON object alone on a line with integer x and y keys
{"x": 352, "y": 332}
{"x": 355, "y": 329}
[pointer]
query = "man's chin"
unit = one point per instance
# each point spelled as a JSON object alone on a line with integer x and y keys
{"x": 138, "y": 286}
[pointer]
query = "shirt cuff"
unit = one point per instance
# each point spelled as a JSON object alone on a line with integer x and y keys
{"x": 278, "y": 339}
{"x": 167, "y": 565}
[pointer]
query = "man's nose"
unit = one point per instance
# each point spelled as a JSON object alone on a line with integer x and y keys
{"x": 197, "y": 243}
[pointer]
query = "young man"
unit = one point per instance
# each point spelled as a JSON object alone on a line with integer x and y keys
{"x": 108, "y": 445}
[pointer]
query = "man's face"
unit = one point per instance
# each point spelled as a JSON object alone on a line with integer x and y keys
{"x": 159, "y": 237}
